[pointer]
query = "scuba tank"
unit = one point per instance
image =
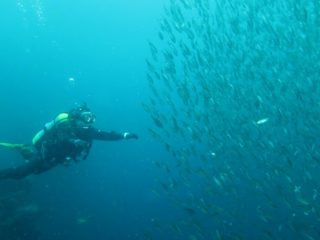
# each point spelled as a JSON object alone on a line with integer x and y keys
{"x": 40, "y": 136}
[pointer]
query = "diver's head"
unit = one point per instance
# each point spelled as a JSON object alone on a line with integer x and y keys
{"x": 82, "y": 115}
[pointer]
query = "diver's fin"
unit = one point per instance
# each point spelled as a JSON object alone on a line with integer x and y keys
{"x": 24, "y": 149}
{"x": 12, "y": 145}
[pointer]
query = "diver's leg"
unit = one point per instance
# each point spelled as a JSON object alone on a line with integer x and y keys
{"x": 21, "y": 171}
{"x": 26, "y": 151}
{"x": 32, "y": 163}
{"x": 34, "y": 166}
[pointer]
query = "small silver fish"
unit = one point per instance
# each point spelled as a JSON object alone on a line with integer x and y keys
{"x": 262, "y": 121}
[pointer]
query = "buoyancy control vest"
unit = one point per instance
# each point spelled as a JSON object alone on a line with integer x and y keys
{"x": 48, "y": 127}
{"x": 52, "y": 131}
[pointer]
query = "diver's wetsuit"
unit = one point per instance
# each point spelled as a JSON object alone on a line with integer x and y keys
{"x": 59, "y": 147}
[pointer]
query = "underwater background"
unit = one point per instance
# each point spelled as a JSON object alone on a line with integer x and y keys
{"x": 224, "y": 96}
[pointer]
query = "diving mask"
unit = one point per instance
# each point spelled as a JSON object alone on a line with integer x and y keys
{"x": 87, "y": 117}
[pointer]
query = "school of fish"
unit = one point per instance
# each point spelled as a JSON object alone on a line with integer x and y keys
{"x": 235, "y": 100}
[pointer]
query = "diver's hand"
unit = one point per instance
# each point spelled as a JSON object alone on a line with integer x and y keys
{"x": 127, "y": 135}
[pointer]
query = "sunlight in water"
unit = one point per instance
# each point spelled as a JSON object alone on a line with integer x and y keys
{"x": 35, "y": 9}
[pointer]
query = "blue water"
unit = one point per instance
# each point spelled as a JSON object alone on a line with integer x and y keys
{"x": 223, "y": 95}
{"x": 102, "y": 45}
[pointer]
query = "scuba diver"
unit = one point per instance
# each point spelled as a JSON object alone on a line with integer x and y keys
{"x": 65, "y": 139}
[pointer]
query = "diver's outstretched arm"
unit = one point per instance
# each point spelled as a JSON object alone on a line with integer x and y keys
{"x": 111, "y": 136}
